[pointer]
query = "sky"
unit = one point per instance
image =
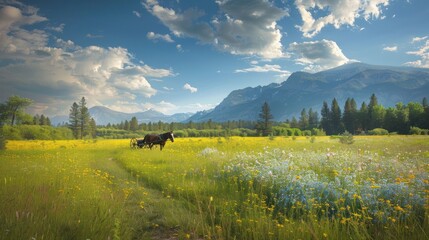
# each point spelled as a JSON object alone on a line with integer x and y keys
{"x": 187, "y": 55}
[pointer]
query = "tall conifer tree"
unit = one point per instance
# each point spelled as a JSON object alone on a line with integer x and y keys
{"x": 74, "y": 120}
{"x": 336, "y": 123}
{"x": 85, "y": 117}
{"x": 264, "y": 125}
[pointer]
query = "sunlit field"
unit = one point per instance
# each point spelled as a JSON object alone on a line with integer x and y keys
{"x": 217, "y": 188}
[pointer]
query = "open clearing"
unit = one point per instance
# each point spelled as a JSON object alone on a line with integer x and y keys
{"x": 217, "y": 188}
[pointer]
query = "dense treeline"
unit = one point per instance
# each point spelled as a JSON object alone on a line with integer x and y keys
{"x": 402, "y": 119}
{"x": 371, "y": 118}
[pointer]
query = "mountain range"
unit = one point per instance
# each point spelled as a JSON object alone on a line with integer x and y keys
{"x": 308, "y": 90}
{"x": 104, "y": 115}
{"x": 301, "y": 90}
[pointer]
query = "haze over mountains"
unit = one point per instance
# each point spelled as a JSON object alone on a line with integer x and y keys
{"x": 104, "y": 115}
{"x": 301, "y": 90}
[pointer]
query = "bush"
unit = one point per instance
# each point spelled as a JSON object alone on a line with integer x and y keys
{"x": 317, "y": 132}
{"x": 378, "y": 131}
{"x": 306, "y": 133}
{"x": 418, "y": 131}
{"x": 2, "y": 141}
{"x": 346, "y": 138}
{"x": 33, "y": 132}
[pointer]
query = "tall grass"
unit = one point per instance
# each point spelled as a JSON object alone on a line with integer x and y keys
{"x": 217, "y": 188}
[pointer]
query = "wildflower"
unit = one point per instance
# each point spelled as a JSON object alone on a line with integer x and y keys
{"x": 356, "y": 196}
{"x": 398, "y": 208}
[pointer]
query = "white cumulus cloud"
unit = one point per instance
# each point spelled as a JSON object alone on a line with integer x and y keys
{"x": 418, "y": 39}
{"x": 264, "y": 68}
{"x": 188, "y": 87}
{"x": 137, "y": 14}
{"x": 243, "y": 27}
{"x": 391, "y": 49}
{"x": 339, "y": 13}
{"x": 318, "y": 55}
{"x": 423, "y": 53}
{"x": 156, "y": 36}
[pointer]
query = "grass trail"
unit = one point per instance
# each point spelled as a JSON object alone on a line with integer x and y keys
{"x": 216, "y": 188}
{"x": 81, "y": 194}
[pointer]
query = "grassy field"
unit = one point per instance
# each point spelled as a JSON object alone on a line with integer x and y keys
{"x": 217, "y": 188}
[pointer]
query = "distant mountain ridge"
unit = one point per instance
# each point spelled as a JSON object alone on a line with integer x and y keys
{"x": 103, "y": 116}
{"x": 301, "y": 90}
{"x": 308, "y": 90}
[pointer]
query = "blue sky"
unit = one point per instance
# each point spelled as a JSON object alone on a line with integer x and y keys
{"x": 188, "y": 55}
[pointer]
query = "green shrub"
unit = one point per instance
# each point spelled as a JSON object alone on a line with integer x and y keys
{"x": 346, "y": 138}
{"x": 306, "y": 133}
{"x": 2, "y": 141}
{"x": 378, "y": 131}
{"x": 415, "y": 131}
{"x": 418, "y": 131}
{"x": 317, "y": 132}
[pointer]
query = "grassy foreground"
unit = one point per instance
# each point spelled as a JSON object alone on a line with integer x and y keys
{"x": 202, "y": 188}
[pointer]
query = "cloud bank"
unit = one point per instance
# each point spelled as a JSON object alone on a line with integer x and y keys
{"x": 244, "y": 27}
{"x": 318, "y": 55}
{"x": 338, "y": 13}
{"x": 422, "y": 53}
{"x": 55, "y": 76}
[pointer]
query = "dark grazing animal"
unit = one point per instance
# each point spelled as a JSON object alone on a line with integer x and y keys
{"x": 161, "y": 139}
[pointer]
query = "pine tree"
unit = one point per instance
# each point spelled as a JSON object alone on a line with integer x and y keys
{"x": 93, "y": 128}
{"x": 303, "y": 120}
{"x": 426, "y": 113}
{"x": 349, "y": 115}
{"x": 264, "y": 124}
{"x": 84, "y": 118}
{"x": 134, "y": 124}
{"x": 355, "y": 114}
{"x": 363, "y": 117}
{"x": 326, "y": 118}
{"x": 36, "y": 119}
{"x": 336, "y": 123}
{"x": 74, "y": 120}
{"x": 425, "y": 103}
{"x": 313, "y": 119}
{"x": 294, "y": 123}
{"x": 42, "y": 120}
{"x": 373, "y": 102}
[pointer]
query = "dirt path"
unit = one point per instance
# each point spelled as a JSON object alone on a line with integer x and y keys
{"x": 148, "y": 212}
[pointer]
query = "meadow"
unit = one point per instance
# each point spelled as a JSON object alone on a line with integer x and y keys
{"x": 217, "y": 188}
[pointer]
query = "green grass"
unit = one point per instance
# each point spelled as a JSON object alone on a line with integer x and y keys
{"x": 217, "y": 188}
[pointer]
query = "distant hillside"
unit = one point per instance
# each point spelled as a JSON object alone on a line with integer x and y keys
{"x": 103, "y": 116}
{"x": 306, "y": 90}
